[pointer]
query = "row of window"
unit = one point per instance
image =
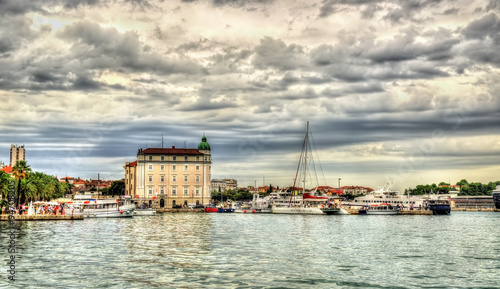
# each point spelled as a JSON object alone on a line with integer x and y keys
{"x": 174, "y": 178}
{"x": 173, "y": 191}
{"x": 174, "y": 158}
{"x": 174, "y": 167}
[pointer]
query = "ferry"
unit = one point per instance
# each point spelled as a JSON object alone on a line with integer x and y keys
{"x": 379, "y": 209}
{"x": 439, "y": 206}
{"x": 103, "y": 208}
{"x": 385, "y": 195}
{"x": 496, "y": 197}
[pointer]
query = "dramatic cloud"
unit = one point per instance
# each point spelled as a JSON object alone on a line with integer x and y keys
{"x": 395, "y": 90}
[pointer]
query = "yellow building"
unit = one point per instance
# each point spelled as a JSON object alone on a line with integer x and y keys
{"x": 171, "y": 176}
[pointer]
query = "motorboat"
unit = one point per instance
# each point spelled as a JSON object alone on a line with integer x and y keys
{"x": 439, "y": 206}
{"x": 496, "y": 197}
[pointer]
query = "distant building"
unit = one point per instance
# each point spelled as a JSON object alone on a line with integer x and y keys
{"x": 70, "y": 180}
{"x": 17, "y": 153}
{"x": 356, "y": 190}
{"x": 223, "y": 185}
{"x": 172, "y": 176}
{"x": 130, "y": 178}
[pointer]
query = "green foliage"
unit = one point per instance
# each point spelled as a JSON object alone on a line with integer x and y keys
{"x": 4, "y": 184}
{"x": 116, "y": 188}
{"x": 466, "y": 188}
{"x": 234, "y": 195}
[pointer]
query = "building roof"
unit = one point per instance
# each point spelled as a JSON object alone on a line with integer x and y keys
{"x": 168, "y": 151}
{"x": 7, "y": 169}
{"x": 132, "y": 164}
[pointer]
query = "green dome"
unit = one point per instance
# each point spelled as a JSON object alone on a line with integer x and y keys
{"x": 203, "y": 144}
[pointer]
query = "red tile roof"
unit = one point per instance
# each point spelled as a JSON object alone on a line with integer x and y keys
{"x": 169, "y": 151}
{"x": 7, "y": 169}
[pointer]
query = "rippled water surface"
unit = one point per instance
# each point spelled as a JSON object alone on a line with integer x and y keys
{"x": 255, "y": 251}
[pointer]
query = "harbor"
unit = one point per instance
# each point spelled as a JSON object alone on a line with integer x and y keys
{"x": 5, "y": 218}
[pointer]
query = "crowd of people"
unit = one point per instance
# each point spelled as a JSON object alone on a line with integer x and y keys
{"x": 38, "y": 209}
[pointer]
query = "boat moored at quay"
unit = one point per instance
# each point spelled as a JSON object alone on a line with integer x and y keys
{"x": 379, "y": 209}
{"x": 496, "y": 197}
{"x": 439, "y": 206}
{"x": 103, "y": 208}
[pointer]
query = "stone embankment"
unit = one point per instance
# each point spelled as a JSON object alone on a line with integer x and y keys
{"x": 180, "y": 210}
{"x": 5, "y": 217}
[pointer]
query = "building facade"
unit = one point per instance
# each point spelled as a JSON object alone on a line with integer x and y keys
{"x": 17, "y": 153}
{"x": 172, "y": 176}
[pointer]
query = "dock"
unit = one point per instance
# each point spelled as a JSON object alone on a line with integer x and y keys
{"x": 354, "y": 211}
{"x": 5, "y": 217}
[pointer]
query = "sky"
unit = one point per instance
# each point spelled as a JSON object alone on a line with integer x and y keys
{"x": 400, "y": 91}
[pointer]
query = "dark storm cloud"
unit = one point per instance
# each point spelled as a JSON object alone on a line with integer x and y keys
{"x": 98, "y": 47}
{"x": 24, "y": 6}
{"x": 485, "y": 36}
{"x": 272, "y": 53}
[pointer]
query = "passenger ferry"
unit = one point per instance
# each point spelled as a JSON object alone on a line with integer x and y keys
{"x": 385, "y": 195}
{"x": 496, "y": 197}
{"x": 379, "y": 209}
{"x": 439, "y": 206}
{"x": 103, "y": 208}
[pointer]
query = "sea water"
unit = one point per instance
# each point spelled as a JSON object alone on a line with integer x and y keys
{"x": 202, "y": 250}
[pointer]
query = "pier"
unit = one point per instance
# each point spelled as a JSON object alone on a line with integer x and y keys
{"x": 354, "y": 211}
{"x": 5, "y": 217}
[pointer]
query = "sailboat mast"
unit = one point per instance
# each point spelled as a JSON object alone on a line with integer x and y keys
{"x": 306, "y": 141}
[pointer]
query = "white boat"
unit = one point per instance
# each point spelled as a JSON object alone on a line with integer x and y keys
{"x": 305, "y": 204}
{"x": 379, "y": 209}
{"x": 102, "y": 208}
{"x": 386, "y": 195}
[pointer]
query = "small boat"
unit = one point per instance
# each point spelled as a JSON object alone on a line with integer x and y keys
{"x": 228, "y": 208}
{"x": 379, "y": 209}
{"x": 439, "y": 207}
{"x": 144, "y": 210}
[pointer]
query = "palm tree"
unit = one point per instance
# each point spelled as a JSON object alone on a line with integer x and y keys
{"x": 4, "y": 184}
{"x": 20, "y": 171}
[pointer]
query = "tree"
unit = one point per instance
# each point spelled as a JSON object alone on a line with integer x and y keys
{"x": 4, "y": 184}
{"x": 20, "y": 171}
{"x": 116, "y": 188}
{"x": 461, "y": 183}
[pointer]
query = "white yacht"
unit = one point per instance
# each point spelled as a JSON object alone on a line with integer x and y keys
{"x": 103, "y": 208}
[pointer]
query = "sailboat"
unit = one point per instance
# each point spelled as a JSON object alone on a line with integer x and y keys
{"x": 309, "y": 204}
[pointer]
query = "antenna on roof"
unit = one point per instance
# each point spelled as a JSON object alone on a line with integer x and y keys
{"x": 146, "y": 142}
{"x": 161, "y": 140}
{"x": 185, "y": 144}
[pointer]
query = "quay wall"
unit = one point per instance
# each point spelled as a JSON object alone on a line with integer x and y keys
{"x": 5, "y": 217}
{"x": 170, "y": 210}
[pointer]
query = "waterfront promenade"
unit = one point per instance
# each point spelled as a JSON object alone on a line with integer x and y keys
{"x": 5, "y": 217}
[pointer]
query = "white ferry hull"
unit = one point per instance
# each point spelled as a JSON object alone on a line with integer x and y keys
{"x": 298, "y": 210}
{"x": 144, "y": 212}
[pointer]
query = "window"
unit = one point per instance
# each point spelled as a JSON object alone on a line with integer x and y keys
{"x": 174, "y": 167}
{"x": 174, "y": 191}
{"x": 185, "y": 168}
{"x": 150, "y": 167}
{"x": 162, "y": 167}
{"x": 162, "y": 178}
{"x": 174, "y": 178}
{"x": 198, "y": 168}
{"x": 150, "y": 191}
{"x": 150, "y": 178}
{"x": 186, "y": 191}
{"x": 162, "y": 158}
{"x": 185, "y": 178}
{"x": 197, "y": 191}
{"x": 162, "y": 191}
{"x": 174, "y": 158}
{"x": 185, "y": 158}
{"x": 150, "y": 158}
{"x": 197, "y": 178}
